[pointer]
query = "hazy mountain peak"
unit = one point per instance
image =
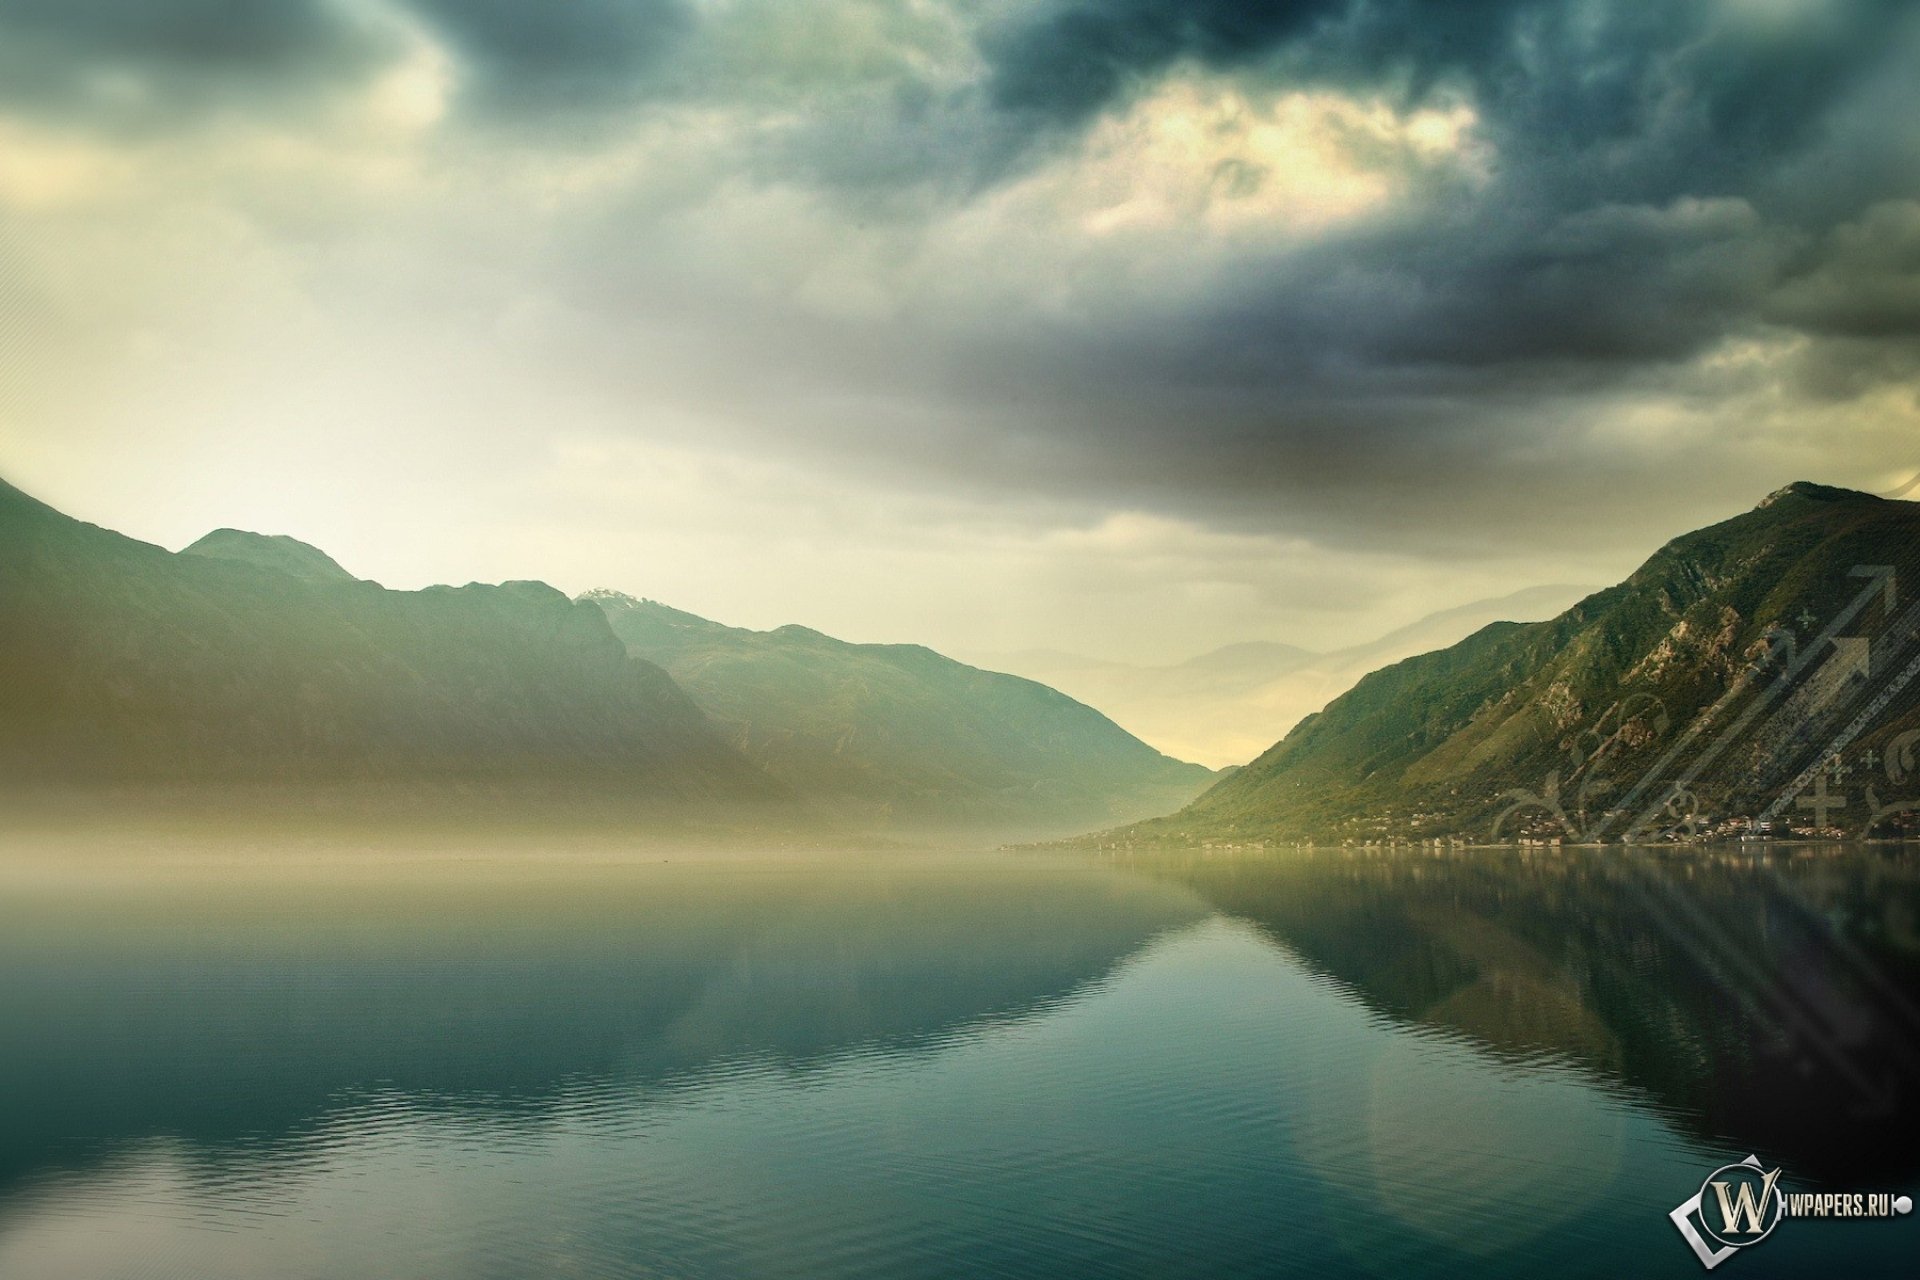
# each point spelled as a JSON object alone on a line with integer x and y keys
{"x": 1229, "y": 704}
{"x": 1262, "y": 654}
{"x": 270, "y": 551}
{"x": 641, "y": 614}
{"x": 1814, "y": 492}
{"x": 901, "y": 734}
{"x": 608, "y": 596}
{"x": 530, "y": 588}
{"x": 794, "y": 631}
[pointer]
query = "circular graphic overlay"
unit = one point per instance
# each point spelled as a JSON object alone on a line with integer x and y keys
{"x": 1740, "y": 1177}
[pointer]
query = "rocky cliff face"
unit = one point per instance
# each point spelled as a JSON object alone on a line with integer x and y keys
{"x": 1757, "y": 675}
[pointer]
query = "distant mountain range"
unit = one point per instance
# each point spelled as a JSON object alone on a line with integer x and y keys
{"x": 899, "y": 735}
{"x": 254, "y": 666}
{"x": 1757, "y": 676}
{"x": 1227, "y": 706}
{"x": 249, "y": 665}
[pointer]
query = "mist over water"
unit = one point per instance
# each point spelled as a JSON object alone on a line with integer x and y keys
{"x": 435, "y": 1054}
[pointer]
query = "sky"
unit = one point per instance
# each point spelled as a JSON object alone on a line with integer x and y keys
{"x": 1129, "y": 328}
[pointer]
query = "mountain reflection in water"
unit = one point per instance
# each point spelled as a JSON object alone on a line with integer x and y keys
{"x": 1764, "y": 1001}
{"x": 229, "y": 1006}
{"x": 441, "y": 1060}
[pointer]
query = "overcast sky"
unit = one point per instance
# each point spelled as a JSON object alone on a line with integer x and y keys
{"x": 1128, "y": 327}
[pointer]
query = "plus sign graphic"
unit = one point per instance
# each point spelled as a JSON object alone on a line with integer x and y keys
{"x": 1839, "y": 769}
{"x": 1871, "y": 759}
{"x": 1822, "y": 801}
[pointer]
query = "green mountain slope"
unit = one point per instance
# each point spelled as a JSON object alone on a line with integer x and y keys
{"x": 1227, "y": 706}
{"x": 270, "y": 551}
{"x": 900, "y": 734}
{"x": 1756, "y": 675}
{"x": 123, "y": 665}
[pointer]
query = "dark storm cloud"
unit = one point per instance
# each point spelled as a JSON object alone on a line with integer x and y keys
{"x": 578, "y": 54}
{"x": 1075, "y": 58}
{"x": 1865, "y": 282}
{"x": 1614, "y": 283}
{"x": 1603, "y": 116}
{"x": 1079, "y": 57}
{"x": 1663, "y": 179}
{"x": 149, "y": 63}
{"x": 1582, "y": 73}
{"x": 1658, "y": 180}
{"x": 208, "y": 34}
{"x": 142, "y": 63}
{"x": 1587, "y": 103}
{"x": 1666, "y": 177}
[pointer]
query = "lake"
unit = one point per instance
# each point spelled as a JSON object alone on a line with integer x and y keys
{"x": 440, "y": 1057}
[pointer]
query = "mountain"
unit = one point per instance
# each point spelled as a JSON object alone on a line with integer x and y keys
{"x": 1228, "y": 705}
{"x": 1756, "y": 676}
{"x": 900, "y": 734}
{"x": 270, "y": 551}
{"x": 257, "y": 665}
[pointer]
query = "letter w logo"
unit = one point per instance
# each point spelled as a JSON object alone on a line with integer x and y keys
{"x": 1745, "y": 1206}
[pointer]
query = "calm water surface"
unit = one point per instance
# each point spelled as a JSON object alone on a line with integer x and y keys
{"x": 304, "y": 1061}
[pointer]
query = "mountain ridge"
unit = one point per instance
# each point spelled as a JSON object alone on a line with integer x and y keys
{"x": 269, "y": 551}
{"x": 900, "y": 733}
{"x": 126, "y": 666}
{"x": 254, "y": 665}
{"x": 1674, "y": 688}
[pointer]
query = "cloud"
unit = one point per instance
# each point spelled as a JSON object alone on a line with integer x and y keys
{"x": 146, "y": 65}
{"x": 1864, "y": 282}
{"x": 580, "y": 55}
{"x": 1357, "y": 277}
